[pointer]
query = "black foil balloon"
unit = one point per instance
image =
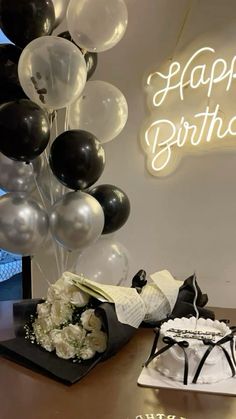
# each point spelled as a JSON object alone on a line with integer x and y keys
{"x": 24, "y": 130}
{"x": 24, "y": 20}
{"x": 77, "y": 159}
{"x": 10, "y": 87}
{"x": 91, "y": 58}
{"x": 115, "y": 205}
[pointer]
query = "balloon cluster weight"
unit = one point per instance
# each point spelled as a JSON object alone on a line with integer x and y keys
{"x": 97, "y": 25}
{"x": 115, "y": 204}
{"x": 52, "y": 72}
{"x": 24, "y": 128}
{"x": 102, "y": 109}
{"x": 24, "y": 20}
{"x": 23, "y": 224}
{"x": 77, "y": 159}
{"x": 76, "y": 220}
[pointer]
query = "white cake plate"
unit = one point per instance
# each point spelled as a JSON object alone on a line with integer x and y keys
{"x": 150, "y": 377}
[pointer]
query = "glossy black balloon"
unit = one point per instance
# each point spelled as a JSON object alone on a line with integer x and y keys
{"x": 115, "y": 204}
{"x": 77, "y": 159}
{"x": 91, "y": 58}
{"x": 24, "y": 130}
{"x": 10, "y": 88}
{"x": 24, "y": 20}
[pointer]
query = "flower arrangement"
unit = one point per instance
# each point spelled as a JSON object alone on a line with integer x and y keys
{"x": 67, "y": 324}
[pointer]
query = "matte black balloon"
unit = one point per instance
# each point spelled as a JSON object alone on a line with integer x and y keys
{"x": 77, "y": 159}
{"x": 24, "y": 130}
{"x": 115, "y": 205}
{"x": 24, "y": 20}
{"x": 10, "y": 88}
{"x": 91, "y": 58}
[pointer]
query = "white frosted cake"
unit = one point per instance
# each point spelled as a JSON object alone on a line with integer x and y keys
{"x": 199, "y": 337}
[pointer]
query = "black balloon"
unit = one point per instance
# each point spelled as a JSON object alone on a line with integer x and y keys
{"x": 115, "y": 205}
{"x": 24, "y": 130}
{"x": 24, "y": 20}
{"x": 10, "y": 88}
{"x": 77, "y": 159}
{"x": 91, "y": 58}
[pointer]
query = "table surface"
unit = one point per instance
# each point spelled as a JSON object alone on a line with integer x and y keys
{"x": 109, "y": 391}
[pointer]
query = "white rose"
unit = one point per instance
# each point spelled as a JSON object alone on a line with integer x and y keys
{"x": 43, "y": 309}
{"x": 46, "y": 342}
{"x": 65, "y": 290}
{"x": 90, "y": 321}
{"x": 73, "y": 334}
{"x": 55, "y": 291}
{"x": 64, "y": 349}
{"x": 86, "y": 353}
{"x": 42, "y": 328}
{"x": 43, "y": 324}
{"x": 97, "y": 341}
{"x": 79, "y": 298}
{"x": 55, "y": 335}
{"x": 61, "y": 312}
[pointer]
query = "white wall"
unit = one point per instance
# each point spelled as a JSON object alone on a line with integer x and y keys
{"x": 186, "y": 221}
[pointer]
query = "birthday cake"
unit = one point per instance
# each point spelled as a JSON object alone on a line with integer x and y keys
{"x": 191, "y": 351}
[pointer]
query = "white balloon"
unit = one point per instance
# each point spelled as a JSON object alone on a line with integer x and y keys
{"x": 52, "y": 72}
{"x": 102, "y": 110}
{"x": 97, "y": 25}
{"x": 60, "y": 7}
{"x": 106, "y": 262}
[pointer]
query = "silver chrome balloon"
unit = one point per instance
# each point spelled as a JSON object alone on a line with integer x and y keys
{"x": 17, "y": 176}
{"x": 23, "y": 224}
{"x": 60, "y": 7}
{"x": 76, "y": 220}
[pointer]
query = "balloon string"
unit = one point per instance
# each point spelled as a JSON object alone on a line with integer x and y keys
{"x": 38, "y": 189}
{"x": 186, "y": 16}
{"x": 54, "y": 244}
{"x": 56, "y": 124}
{"x": 50, "y": 177}
{"x": 66, "y": 260}
{"x": 59, "y": 270}
{"x": 41, "y": 271}
{"x": 66, "y": 124}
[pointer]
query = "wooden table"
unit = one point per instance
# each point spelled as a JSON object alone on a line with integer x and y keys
{"x": 108, "y": 392}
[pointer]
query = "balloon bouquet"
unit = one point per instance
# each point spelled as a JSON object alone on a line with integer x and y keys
{"x": 41, "y": 74}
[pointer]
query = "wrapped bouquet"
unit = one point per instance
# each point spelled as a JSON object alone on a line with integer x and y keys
{"x": 66, "y": 322}
{"x": 81, "y": 323}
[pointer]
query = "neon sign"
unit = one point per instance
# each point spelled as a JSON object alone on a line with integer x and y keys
{"x": 165, "y": 139}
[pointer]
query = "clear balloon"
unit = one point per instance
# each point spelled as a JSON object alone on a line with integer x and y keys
{"x": 76, "y": 220}
{"x": 102, "y": 109}
{"x": 18, "y": 176}
{"x": 97, "y": 25}
{"x": 50, "y": 187}
{"x": 60, "y": 7}
{"x": 23, "y": 224}
{"x": 52, "y": 72}
{"x": 106, "y": 262}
